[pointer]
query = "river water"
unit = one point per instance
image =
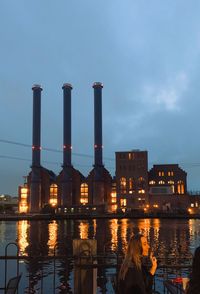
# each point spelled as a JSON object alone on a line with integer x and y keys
{"x": 168, "y": 238}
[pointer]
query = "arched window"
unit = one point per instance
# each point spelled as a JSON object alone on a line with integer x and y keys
{"x": 84, "y": 194}
{"x": 123, "y": 185}
{"x": 180, "y": 187}
{"x": 53, "y": 199}
{"x": 161, "y": 182}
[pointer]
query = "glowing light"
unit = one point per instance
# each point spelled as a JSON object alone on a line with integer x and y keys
{"x": 23, "y": 203}
{"x": 84, "y": 228}
{"x": 53, "y": 229}
{"x": 23, "y": 236}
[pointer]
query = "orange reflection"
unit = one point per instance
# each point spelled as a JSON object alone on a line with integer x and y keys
{"x": 156, "y": 227}
{"x": 22, "y": 228}
{"x": 84, "y": 227}
{"x": 124, "y": 226}
{"x": 144, "y": 227}
{"x": 113, "y": 226}
{"x": 53, "y": 230}
{"x": 95, "y": 227}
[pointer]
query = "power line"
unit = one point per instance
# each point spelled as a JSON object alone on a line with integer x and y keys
{"x": 47, "y": 162}
{"x": 51, "y": 149}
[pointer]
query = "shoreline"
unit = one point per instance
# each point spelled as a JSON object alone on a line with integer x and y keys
{"x": 11, "y": 217}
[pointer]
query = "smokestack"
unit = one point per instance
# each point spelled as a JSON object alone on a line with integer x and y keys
{"x": 36, "y": 146}
{"x": 98, "y": 124}
{"x": 66, "y": 197}
{"x": 67, "y": 147}
{"x": 35, "y": 195}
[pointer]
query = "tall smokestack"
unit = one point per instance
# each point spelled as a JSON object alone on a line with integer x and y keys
{"x": 67, "y": 147}
{"x": 98, "y": 124}
{"x": 66, "y": 197}
{"x": 36, "y": 146}
{"x": 35, "y": 197}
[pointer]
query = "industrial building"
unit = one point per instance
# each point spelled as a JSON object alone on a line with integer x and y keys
{"x": 134, "y": 187}
{"x": 70, "y": 190}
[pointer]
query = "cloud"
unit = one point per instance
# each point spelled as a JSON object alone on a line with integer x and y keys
{"x": 168, "y": 95}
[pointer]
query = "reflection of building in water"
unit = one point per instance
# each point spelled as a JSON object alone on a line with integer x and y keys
{"x": 144, "y": 226}
{"x": 22, "y": 232}
{"x": 37, "y": 246}
{"x": 94, "y": 227}
{"x": 53, "y": 230}
{"x": 84, "y": 228}
{"x": 156, "y": 228}
{"x": 113, "y": 227}
{"x": 124, "y": 228}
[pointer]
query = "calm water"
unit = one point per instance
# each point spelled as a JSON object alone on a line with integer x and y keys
{"x": 167, "y": 238}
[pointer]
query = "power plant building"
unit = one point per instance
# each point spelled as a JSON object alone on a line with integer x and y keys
{"x": 132, "y": 187}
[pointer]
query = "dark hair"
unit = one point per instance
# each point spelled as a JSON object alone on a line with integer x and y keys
{"x": 194, "y": 284}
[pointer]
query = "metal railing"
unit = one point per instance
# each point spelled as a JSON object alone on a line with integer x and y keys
{"x": 106, "y": 263}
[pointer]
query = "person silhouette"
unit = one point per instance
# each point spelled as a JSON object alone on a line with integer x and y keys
{"x": 193, "y": 286}
{"x": 135, "y": 276}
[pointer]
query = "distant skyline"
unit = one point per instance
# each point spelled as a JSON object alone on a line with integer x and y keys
{"x": 147, "y": 55}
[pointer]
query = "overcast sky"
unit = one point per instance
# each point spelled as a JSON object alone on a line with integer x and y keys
{"x": 147, "y": 55}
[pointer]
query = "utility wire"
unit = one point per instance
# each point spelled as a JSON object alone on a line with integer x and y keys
{"x": 44, "y": 161}
{"x": 50, "y": 149}
{"x": 187, "y": 165}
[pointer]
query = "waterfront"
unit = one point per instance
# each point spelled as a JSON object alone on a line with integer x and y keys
{"x": 168, "y": 238}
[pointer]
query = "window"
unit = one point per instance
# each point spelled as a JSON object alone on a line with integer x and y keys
{"x": 170, "y": 173}
{"x": 130, "y": 184}
{"x": 161, "y": 182}
{"x": 152, "y": 183}
{"x": 123, "y": 185}
{"x": 172, "y": 185}
{"x": 84, "y": 194}
{"x": 53, "y": 199}
{"x": 161, "y": 173}
{"x": 180, "y": 187}
{"x": 123, "y": 202}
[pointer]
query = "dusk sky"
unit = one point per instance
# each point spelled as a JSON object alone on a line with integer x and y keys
{"x": 147, "y": 55}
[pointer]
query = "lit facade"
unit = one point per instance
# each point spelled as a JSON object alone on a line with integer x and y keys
{"x": 167, "y": 179}
{"x": 132, "y": 179}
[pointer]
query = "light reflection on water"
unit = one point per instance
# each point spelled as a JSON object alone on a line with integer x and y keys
{"x": 167, "y": 238}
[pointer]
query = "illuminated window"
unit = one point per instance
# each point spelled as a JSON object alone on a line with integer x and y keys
{"x": 141, "y": 191}
{"x": 161, "y": 182}
{"x": 129, "y": 156}
{"x": 123, "y": 185}
{"x": 84, "y": 194}
{"x": 172, "y": 185}
{"x": 141, "y": 185}
{"x": 23, "y": 204}
{"x": 123, "y": 202}
{"x": 152, "y": 183}
{"x": 170, "y": 173}
{"x": 180, "y": 187}
{"x": 53, "y": 199}
{"x": 192, "y": 204}
{"x": 130, "y": 185}
{"x": 161, "y": 173}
